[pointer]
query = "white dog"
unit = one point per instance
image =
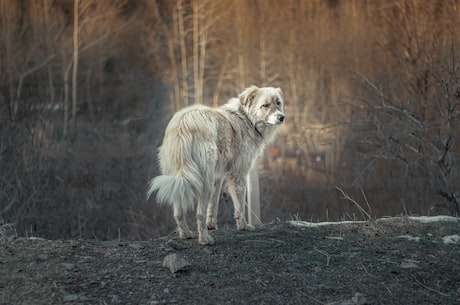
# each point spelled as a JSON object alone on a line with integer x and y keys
{"x": 204, "y": 146}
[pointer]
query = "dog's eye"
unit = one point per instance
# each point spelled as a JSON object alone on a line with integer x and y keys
{"x": 265, "y": 105}
{"x": 278, "y": 103}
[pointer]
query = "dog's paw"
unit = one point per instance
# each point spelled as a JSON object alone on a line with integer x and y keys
{"x": 185, "y": 234}
{"x": 250, "y": 227}
{"x": 212, "y": 225}
{"x": 242, "y": 225}
{"x": 205, "y": 239}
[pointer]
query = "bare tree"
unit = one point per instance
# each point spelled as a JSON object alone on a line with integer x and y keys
{"x": 411, "y": 119}
{"x": 17, "y": 62}
{"x": 75, "y": 60}
{"x": 47, "y": 31}
{"x": 93, "y": 24}
{"x": 188, "y": 32}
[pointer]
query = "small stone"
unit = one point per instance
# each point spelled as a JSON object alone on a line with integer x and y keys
{"x": 7, "y": 231}
{"x": 451, "y": 239}
{"x": 409, "y": 264}
{"x": 74, "y": 298}
{"x": 42, "y": 257}
{"x": 207, "y": 251}
{"x": 70, "y": 298}
{"x": 359, "y": 299}
{"x": 69, "y": 266}
{"x": 175, "y": 263}
{"x": 136, "y": 246}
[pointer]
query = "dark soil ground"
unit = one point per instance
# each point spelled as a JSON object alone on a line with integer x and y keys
{"x": 397, "y": 261}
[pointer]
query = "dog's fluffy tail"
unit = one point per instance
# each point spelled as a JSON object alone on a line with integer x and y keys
{"x": 174, "y": 190}
{"x": 179, "y": 189}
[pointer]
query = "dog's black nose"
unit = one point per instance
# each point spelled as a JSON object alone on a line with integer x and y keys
{"x": 281, "y": 117}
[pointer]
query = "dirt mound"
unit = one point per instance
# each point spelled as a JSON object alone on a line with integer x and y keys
{"x": 395, "y": 261}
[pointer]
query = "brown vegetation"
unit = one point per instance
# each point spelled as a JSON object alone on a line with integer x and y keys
{"x": 371, "y": 88}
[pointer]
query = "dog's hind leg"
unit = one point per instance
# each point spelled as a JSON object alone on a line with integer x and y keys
{"x": 203, "y": 235}
{"x": 237, "y": 190}
{"x": 213, "y": 206}
{"x": 182, "y": 227}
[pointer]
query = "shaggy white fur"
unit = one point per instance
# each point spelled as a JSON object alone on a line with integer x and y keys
{"x": 203, "y": 147}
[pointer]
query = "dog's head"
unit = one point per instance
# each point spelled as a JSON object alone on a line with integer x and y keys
{"x": 264, "y": 106}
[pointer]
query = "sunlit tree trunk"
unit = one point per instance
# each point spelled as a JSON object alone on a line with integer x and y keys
{"x": 66, "y": 73}
{"x": 196, "y": 47}
{"x": 182, "y": 43}
{"x": 241, "y": 66}
{"x": 75, "y": 65}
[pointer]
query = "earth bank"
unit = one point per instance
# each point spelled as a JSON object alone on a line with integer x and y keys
{"x": 391, "y": 261}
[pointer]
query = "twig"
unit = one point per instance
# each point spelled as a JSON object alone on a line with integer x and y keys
{"x": 28, "y": 72}
{"x": 429, "y": 288}
{"x": 367, "y": 202}
{"x": 365, "y": 270}
{"x": 389, "y": 291}
{"x": 328, "y": 256}
{"x": 313, "y": 298}
{"x": 347, "y": 197}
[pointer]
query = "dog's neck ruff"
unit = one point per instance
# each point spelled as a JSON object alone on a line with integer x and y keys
{"x": 257, "y": 130}
{"x": 249, "y": 121}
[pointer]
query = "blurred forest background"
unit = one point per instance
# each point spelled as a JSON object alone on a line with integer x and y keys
{"x": 372, "y": 93}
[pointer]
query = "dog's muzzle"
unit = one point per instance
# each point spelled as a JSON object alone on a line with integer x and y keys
{"x": 280, "y": 117}
{"x": 276, "y": 118}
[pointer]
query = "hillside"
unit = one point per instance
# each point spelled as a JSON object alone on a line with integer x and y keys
{"x": 388, "y": 261}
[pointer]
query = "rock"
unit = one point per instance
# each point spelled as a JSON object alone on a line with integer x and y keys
{"x": 71, "y": 298}
{"x": 175, "y": 263}
{"x": 7, "y": 231}
{"x": 74, "y": 298}
{"x": 451, "y": 239}
{"x": 409, "y": 264}
{"x": 69, "y": 266}
{"x": 359, "y": 299}
{"x": 207, "y": 251}
{"x": 42, "y": 257}
{"x": 136, "y": 246}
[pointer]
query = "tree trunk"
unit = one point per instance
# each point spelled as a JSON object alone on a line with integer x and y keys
{"x": 75, "y": 65}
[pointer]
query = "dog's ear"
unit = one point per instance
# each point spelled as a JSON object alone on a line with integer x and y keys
{"x": 248, "y": 95}
{"x": 279, "y": 91}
